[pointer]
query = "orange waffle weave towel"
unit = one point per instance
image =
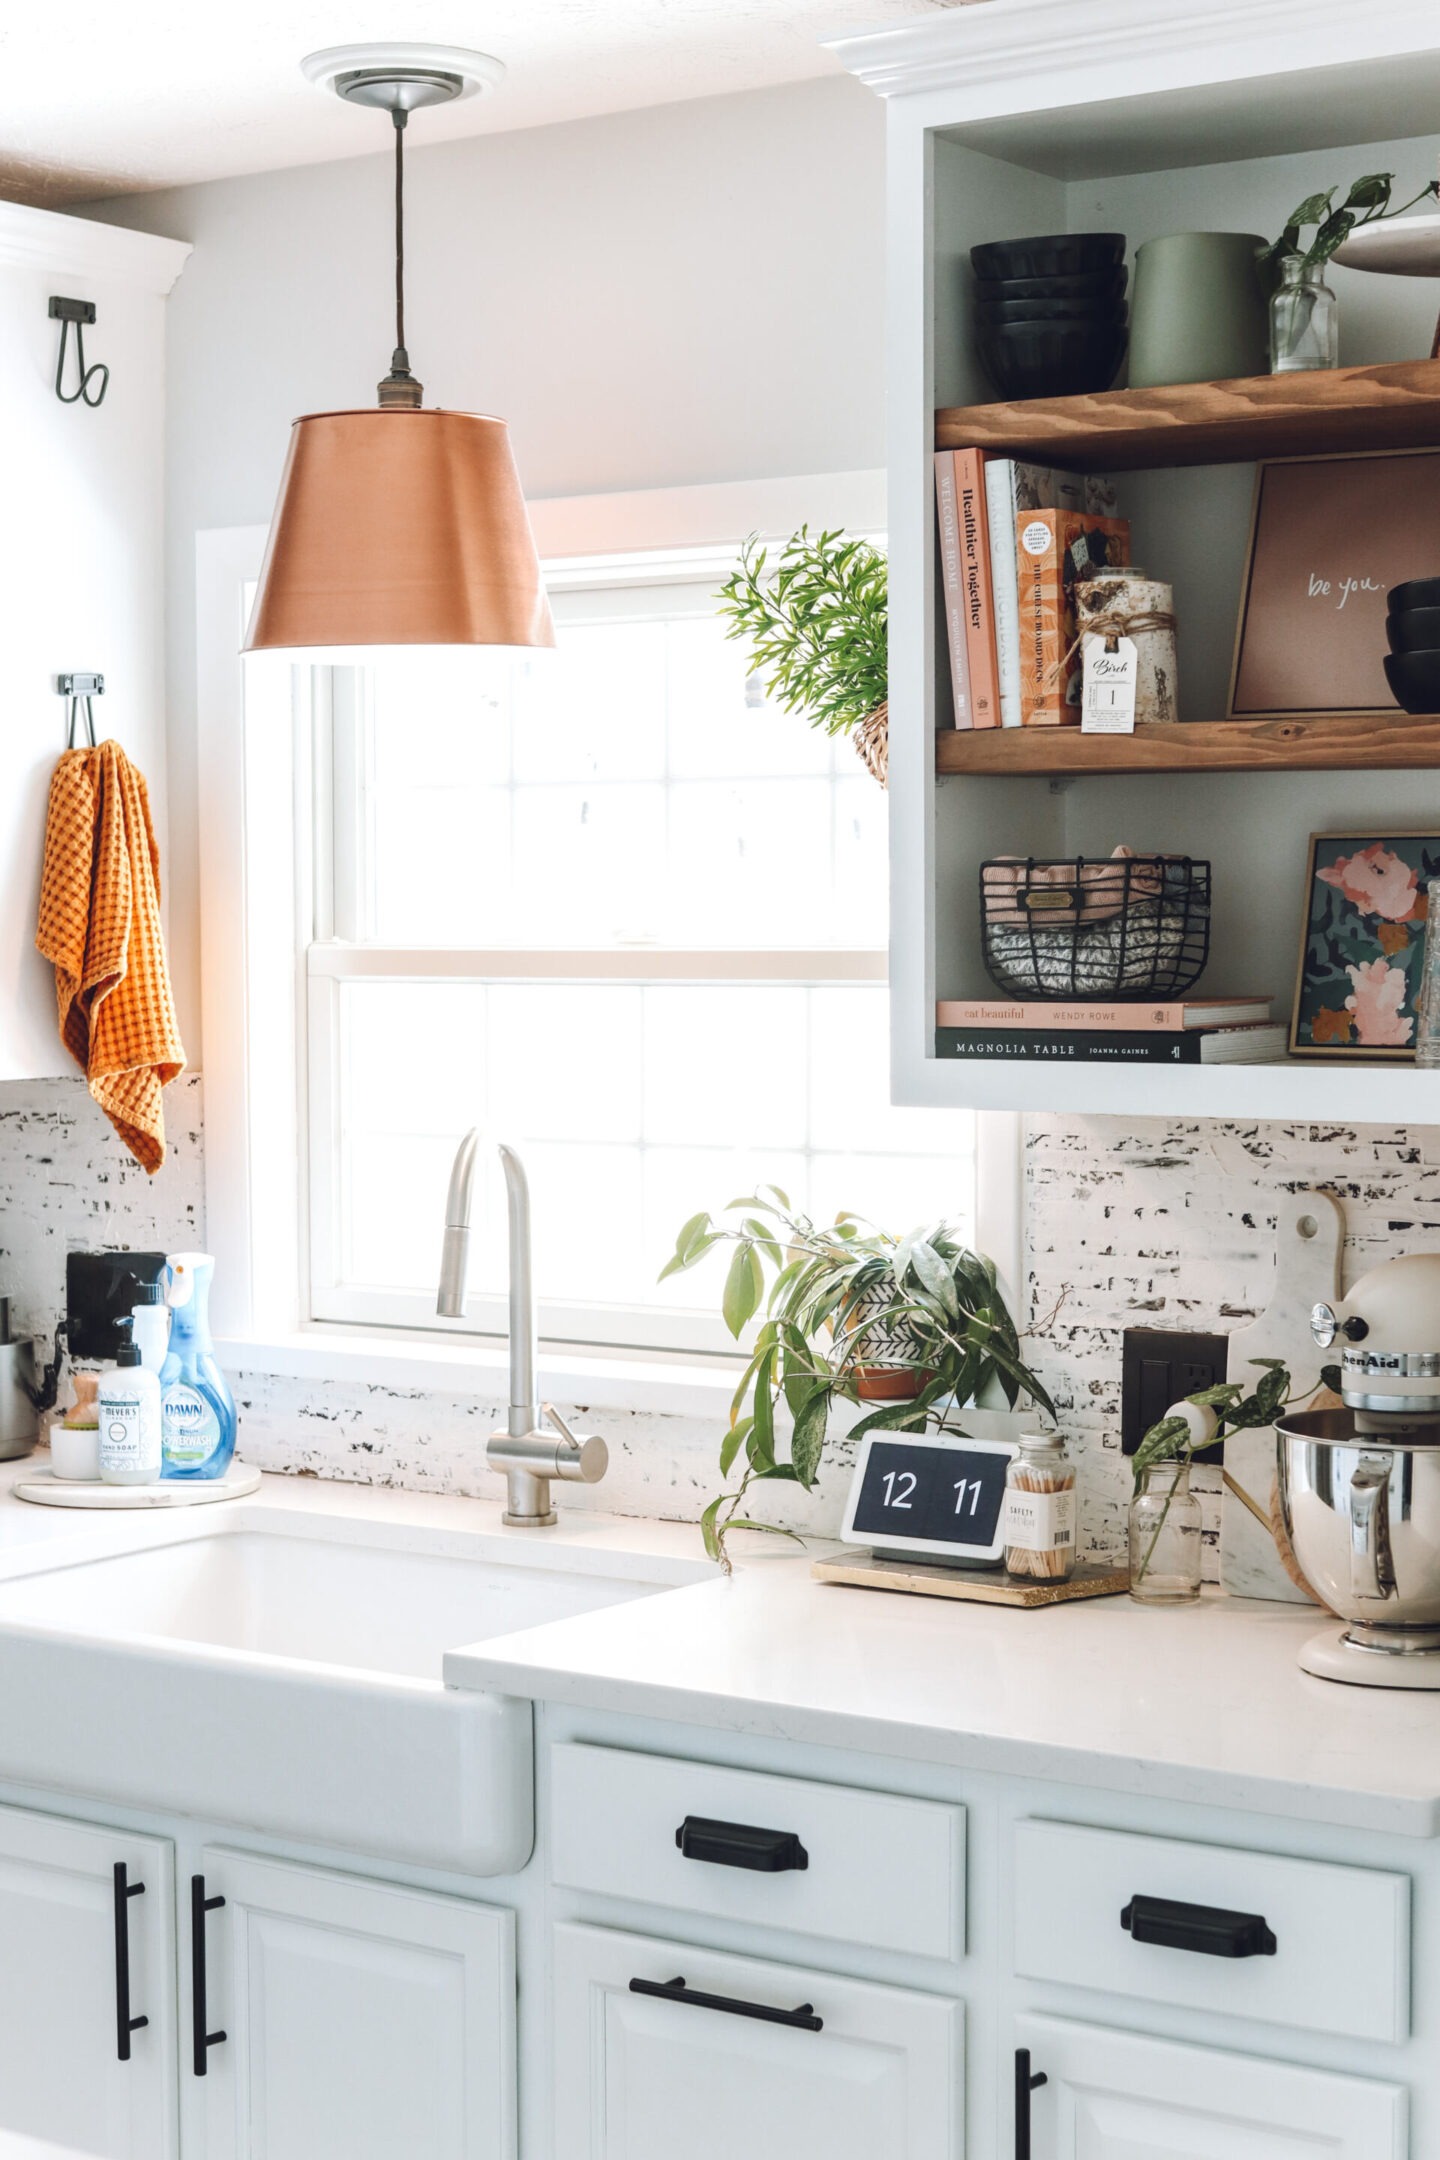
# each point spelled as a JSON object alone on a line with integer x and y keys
{"x": 100, "y": 927}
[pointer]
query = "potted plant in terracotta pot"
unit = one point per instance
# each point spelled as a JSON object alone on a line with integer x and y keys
{"x": 816, "y": 627}
{"x": 847, "y": 1314}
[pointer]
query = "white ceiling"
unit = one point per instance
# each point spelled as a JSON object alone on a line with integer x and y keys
{"x": 103, "y": 97}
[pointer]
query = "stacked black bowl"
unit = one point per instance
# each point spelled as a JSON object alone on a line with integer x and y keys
{"x": 1050, "y": 315}
{"x": 1412, "y": 665}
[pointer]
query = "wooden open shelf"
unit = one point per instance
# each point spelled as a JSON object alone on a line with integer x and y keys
{"x": 1214, "y": 423}
{"x": 1388, "y": 742}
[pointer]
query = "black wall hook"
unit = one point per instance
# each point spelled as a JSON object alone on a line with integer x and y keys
{"x": 79, "y": 312}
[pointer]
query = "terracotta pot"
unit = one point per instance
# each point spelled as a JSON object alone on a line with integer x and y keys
{"x": 889, "y": 1383}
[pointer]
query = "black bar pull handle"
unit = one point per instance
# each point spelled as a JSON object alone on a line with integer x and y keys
{"x": 1026, "y": 2082}
{"x": 803, "y": 2018}
{"x": 124, "y": 2023}
{"x": 1210, "y": 1929}
{"x": 738, "y": 1844}
{"x": 202, "y": 2041}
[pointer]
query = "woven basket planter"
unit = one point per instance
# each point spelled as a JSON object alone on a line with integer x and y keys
{"x": 872, "y": 740}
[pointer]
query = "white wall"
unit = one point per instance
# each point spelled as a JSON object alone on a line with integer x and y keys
{"x": 682, "y": 294}
{"x": 80, "y": 559}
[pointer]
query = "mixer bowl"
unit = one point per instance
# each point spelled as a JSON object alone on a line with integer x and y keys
{"x": 1360, "y": 1497}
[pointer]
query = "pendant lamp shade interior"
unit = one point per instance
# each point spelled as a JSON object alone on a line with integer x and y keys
{"x": 402, "y": 525}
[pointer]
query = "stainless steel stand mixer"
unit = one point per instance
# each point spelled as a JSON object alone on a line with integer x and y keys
{"x": 1360, "y": 1486}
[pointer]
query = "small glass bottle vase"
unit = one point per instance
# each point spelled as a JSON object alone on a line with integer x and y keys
{"x": 1165, "y": 1537}
{"x": 1304, "y": 325}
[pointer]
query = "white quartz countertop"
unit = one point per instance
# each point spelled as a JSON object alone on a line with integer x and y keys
{"x": 1204, "y": 1703}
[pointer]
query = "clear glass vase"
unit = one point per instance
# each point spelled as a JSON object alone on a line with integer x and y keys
{"x": 1304, "y": 325}
{"x": 1165, "y": 1537}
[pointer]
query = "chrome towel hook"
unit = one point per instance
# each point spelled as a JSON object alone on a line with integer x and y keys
{"x": 79, "y": 312}
{"x": 78, "y": 690}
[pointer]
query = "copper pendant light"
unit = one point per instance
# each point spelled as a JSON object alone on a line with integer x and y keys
{"x": 401, "y": 526}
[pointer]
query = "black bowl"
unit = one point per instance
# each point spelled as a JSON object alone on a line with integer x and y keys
{"x": 1013, "y": 311}
{"x": 1084, "y": 285}
{"x": 1417, "y": 630}
{"x": 1050, "y": 359}
{"x": 1420, "y": 592}
{"x": 1053, "y": 255}
{"x": 1415, "y": 679}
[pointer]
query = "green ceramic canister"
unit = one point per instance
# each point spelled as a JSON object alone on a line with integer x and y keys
{"x": 1200, "y": 309}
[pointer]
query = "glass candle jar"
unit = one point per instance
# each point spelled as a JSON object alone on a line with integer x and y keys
{"x": 1040, "y": 1510}
{"x": 1304, "y": 325}
{"x": 1165, "y": 1537}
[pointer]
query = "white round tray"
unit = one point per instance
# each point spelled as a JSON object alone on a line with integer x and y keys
{"x": 46, "y": 1490}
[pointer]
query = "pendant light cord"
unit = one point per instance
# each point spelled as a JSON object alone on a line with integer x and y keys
{"x": 399, "y": 117}
{"x": 400, "y": 389}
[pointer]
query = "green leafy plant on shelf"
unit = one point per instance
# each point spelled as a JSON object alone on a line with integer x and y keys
{"x": 1174, "y": 1439}
{"x": 816, "y": 624}
{"x": 845, "y": 1311}
{"x": 1367, "y": 203}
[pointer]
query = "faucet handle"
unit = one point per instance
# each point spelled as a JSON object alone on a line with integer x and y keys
{"x": 582, "y": 1458}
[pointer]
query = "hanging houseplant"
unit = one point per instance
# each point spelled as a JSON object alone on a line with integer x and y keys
{"x": 816, "y": 627}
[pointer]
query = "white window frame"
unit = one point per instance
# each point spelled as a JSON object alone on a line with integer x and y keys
{"x": 256, "y": 799}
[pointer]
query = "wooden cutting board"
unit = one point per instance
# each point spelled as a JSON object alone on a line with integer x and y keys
{"x": 1309, "y": 1235}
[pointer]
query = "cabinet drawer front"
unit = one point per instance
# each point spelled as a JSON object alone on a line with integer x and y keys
{"x": 1341, "y": 1958}
{"x": 726, "y": 2070}
{"x": 1113, "y": 2093}
{"x": 844, "y": 1865}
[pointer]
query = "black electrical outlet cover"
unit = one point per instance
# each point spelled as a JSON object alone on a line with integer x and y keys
{"x": 100, "y": 1288}
{"x": 1159, "y": 1367}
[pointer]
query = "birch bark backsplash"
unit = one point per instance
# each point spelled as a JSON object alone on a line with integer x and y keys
{"x": 1164, "y": 1224}
{"x": 1171, "y": 1224}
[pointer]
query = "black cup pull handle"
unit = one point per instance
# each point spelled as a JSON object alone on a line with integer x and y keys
{"x": 743, "y": 1845}
{"x": 202, "y": 2040}
{"x": 1208, "y": 1929}
{"x": 803, "y": 2019}
{"x": 1026, "y": 2082}
{"x": 124, "y": 2023}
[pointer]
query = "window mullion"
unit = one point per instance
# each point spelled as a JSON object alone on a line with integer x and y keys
{"x": 352, "y": 805}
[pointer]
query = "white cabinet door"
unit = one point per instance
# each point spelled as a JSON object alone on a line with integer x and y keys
{"x": 1118, "y": 2096}
{"x": 68, "y": 2078}
{"x": 640, "y": 2076}
{"x": 360, "y": 2021}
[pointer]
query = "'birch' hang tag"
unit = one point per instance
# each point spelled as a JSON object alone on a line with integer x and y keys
{"x": 1107, "y": 694}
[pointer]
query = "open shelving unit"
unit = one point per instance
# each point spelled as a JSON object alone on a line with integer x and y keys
{"x": 1003, "y": 123}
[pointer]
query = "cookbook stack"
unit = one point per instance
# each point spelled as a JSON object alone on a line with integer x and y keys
{"x": 1182, "y": 1031}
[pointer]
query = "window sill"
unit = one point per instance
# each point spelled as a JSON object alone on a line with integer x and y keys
{"x": 592, "y": 1378}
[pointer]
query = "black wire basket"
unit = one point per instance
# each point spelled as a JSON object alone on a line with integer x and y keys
{"x": 1125, "y": 927}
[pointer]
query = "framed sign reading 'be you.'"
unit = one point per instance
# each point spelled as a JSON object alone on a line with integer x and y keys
{"x": 1329, "y": 537}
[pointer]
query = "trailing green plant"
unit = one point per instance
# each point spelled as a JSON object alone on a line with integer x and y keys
{"x": 1367, "y": 203}
{"x": 815, "y": 624}
{"x": 1171, "y": 1439}
{"x": 833, "y": 1301}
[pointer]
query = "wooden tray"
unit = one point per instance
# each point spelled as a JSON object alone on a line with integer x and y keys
{"x": 980, "y": 1586}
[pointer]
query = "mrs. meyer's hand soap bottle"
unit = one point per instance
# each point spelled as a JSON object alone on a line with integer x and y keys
{"x": 197, "y": 1410}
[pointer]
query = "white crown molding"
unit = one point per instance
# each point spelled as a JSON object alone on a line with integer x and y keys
{"x": 1100, "y": 42}
{"x": 81, "y": 247}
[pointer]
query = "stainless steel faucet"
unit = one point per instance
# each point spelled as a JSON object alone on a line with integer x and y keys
{"x": 537, "y": 1444}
